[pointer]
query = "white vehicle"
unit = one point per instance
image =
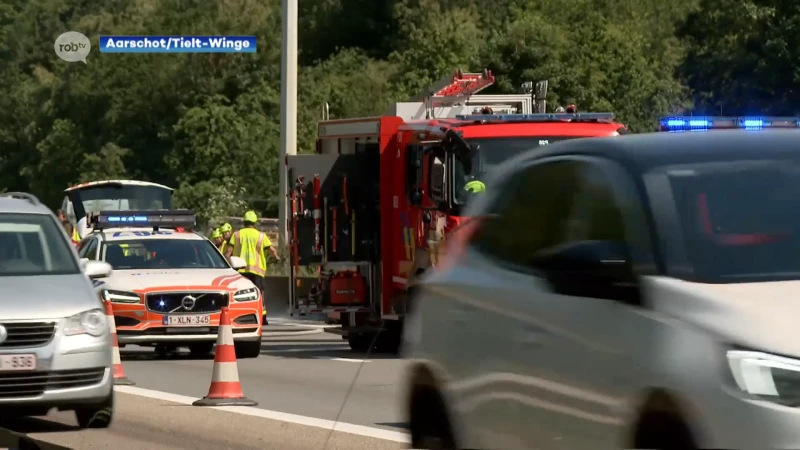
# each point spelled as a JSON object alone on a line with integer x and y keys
{"x": 169, "y": 285}
{"x": 631, "y": 292}
{"x": 55, "y": 345}
{"x": 113, "y": 195}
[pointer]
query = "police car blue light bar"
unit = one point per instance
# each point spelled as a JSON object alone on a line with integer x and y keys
{"x": 721, "y": 123}
{"x": 181, "y": 218}
{"x": 538, "y": 117}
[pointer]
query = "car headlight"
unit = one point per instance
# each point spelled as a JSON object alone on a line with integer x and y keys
{"x": 92, "y": 322}
{"x": 113, "y": 296}
{"x": 767, "y": 377}
{"x": 246, "y": 295}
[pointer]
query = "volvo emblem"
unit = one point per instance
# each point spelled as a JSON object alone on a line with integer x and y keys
{"x": 3, "y": 334}
{"x": 188, "y": 302}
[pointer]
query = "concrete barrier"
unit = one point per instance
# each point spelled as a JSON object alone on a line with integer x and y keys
{"x": 17, "y": 441}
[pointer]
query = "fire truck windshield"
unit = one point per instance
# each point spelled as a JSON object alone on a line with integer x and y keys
{"x": 491, "y": 153}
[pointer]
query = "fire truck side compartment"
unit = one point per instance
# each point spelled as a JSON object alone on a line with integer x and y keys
{"x": 363, "y": 183}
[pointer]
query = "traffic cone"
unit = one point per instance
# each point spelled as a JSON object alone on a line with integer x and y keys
{"x": 225, "y": 390}
{"x": 119, "y": 373}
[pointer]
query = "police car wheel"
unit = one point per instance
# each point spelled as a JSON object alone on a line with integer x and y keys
{"x": 247, "y": 349}
{"x": 201, "y": 348}
{"x": 96, "y": 416}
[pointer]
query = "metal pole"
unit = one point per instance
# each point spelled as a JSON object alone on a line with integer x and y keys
{"x": 288, "y": 107}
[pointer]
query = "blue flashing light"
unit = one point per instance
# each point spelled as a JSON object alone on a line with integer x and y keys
{"x": 720, "y": 123}
{"x": 561, "y": 117}
{"x": 127, "y": 219}
{"x": 162, "y": 304}
{"x": 143, "y": 219}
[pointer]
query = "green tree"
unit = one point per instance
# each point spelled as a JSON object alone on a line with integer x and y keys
{"x": 743, "y": 56}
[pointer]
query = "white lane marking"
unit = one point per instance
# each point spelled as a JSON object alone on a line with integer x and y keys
{"x": 309, "y": 349}
{"x": 342, "y": 359}
{"x": 350, "y": 428}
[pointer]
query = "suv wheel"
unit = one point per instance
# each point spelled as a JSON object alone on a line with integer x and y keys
{"x": 430, "y": 426}
{"x": 96, "y": 416}
{"x": 663, "y": 431}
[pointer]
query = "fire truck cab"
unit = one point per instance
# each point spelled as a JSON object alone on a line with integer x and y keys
{"x": 372, "y": 208}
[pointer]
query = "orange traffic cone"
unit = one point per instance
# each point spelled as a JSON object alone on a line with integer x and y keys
{"x": 119, "y": 372}
{"x": 225, "y": 390}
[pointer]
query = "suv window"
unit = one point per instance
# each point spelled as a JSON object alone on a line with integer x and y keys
{"x": 32, "y": 244}
{"x": 554, "y": 205}
{"x": 595, "y": 214}
{"x": 530, "y": 217}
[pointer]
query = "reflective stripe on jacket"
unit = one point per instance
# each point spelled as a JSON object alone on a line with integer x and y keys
{"x": 249, "y": 244}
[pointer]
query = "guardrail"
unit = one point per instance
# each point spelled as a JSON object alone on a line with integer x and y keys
{"x": 12, "y": 440}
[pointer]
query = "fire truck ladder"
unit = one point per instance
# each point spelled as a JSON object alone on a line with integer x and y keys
{"x": 457, "y": 94}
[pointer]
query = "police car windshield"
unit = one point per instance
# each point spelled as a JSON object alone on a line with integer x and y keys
{"x": 493, "y": 152}
{"x": 32, "y": 244}
{"x": 143, "y": 254}
{"x": 740, "y": 219}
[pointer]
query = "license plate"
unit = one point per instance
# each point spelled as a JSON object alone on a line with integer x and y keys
{"x": 9, "y": 363}
{"x": 187, "y": 320}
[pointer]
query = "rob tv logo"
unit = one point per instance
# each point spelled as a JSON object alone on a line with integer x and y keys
{"x": 73, "y": 47}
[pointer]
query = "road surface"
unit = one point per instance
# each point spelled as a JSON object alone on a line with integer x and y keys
{"x": 300, "y": 371}
{"x": 146, "y": 423}
{"x": 303, "y": 381}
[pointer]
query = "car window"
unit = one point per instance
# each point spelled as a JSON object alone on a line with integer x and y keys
{"x": 595, "y": 214}
{"x": 135, "y": 254}
{"x": 32, "y": 244}
{"x": 531, "y": 216}
{"x": 739, "y": 219}
{"x": 83, "y": 246}
{"x": 91, "y": 250}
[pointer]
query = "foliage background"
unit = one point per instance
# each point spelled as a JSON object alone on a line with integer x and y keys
{"x": 209, "y": 123}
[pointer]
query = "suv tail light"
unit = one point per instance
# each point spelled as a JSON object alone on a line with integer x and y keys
{"x": 456, "y": 241}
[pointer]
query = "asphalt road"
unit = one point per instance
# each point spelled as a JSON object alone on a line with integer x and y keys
{"x": 301, "y": 371}
{"x": 155, "y": 424}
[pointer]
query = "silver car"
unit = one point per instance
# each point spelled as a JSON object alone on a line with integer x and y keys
{"x": 55, "y": 342}
{"x": 633, "y": 292}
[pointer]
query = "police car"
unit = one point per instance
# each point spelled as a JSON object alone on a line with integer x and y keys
{"x": 169, "y": 285}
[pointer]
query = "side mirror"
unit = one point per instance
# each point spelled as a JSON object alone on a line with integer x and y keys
{"x": 97, "y": 269}
{"x": 437, "y": 181}
{"x": 592, "y": 269}
{"x": 596, "y": 259}
{"x": 238, "y": 263}
{"x": 463, "y": 150}
{"x": 83, "y": 262}
{"x": 414, "y": 159}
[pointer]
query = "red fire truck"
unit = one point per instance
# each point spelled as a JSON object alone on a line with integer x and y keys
{"x": 373, "y": 206}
